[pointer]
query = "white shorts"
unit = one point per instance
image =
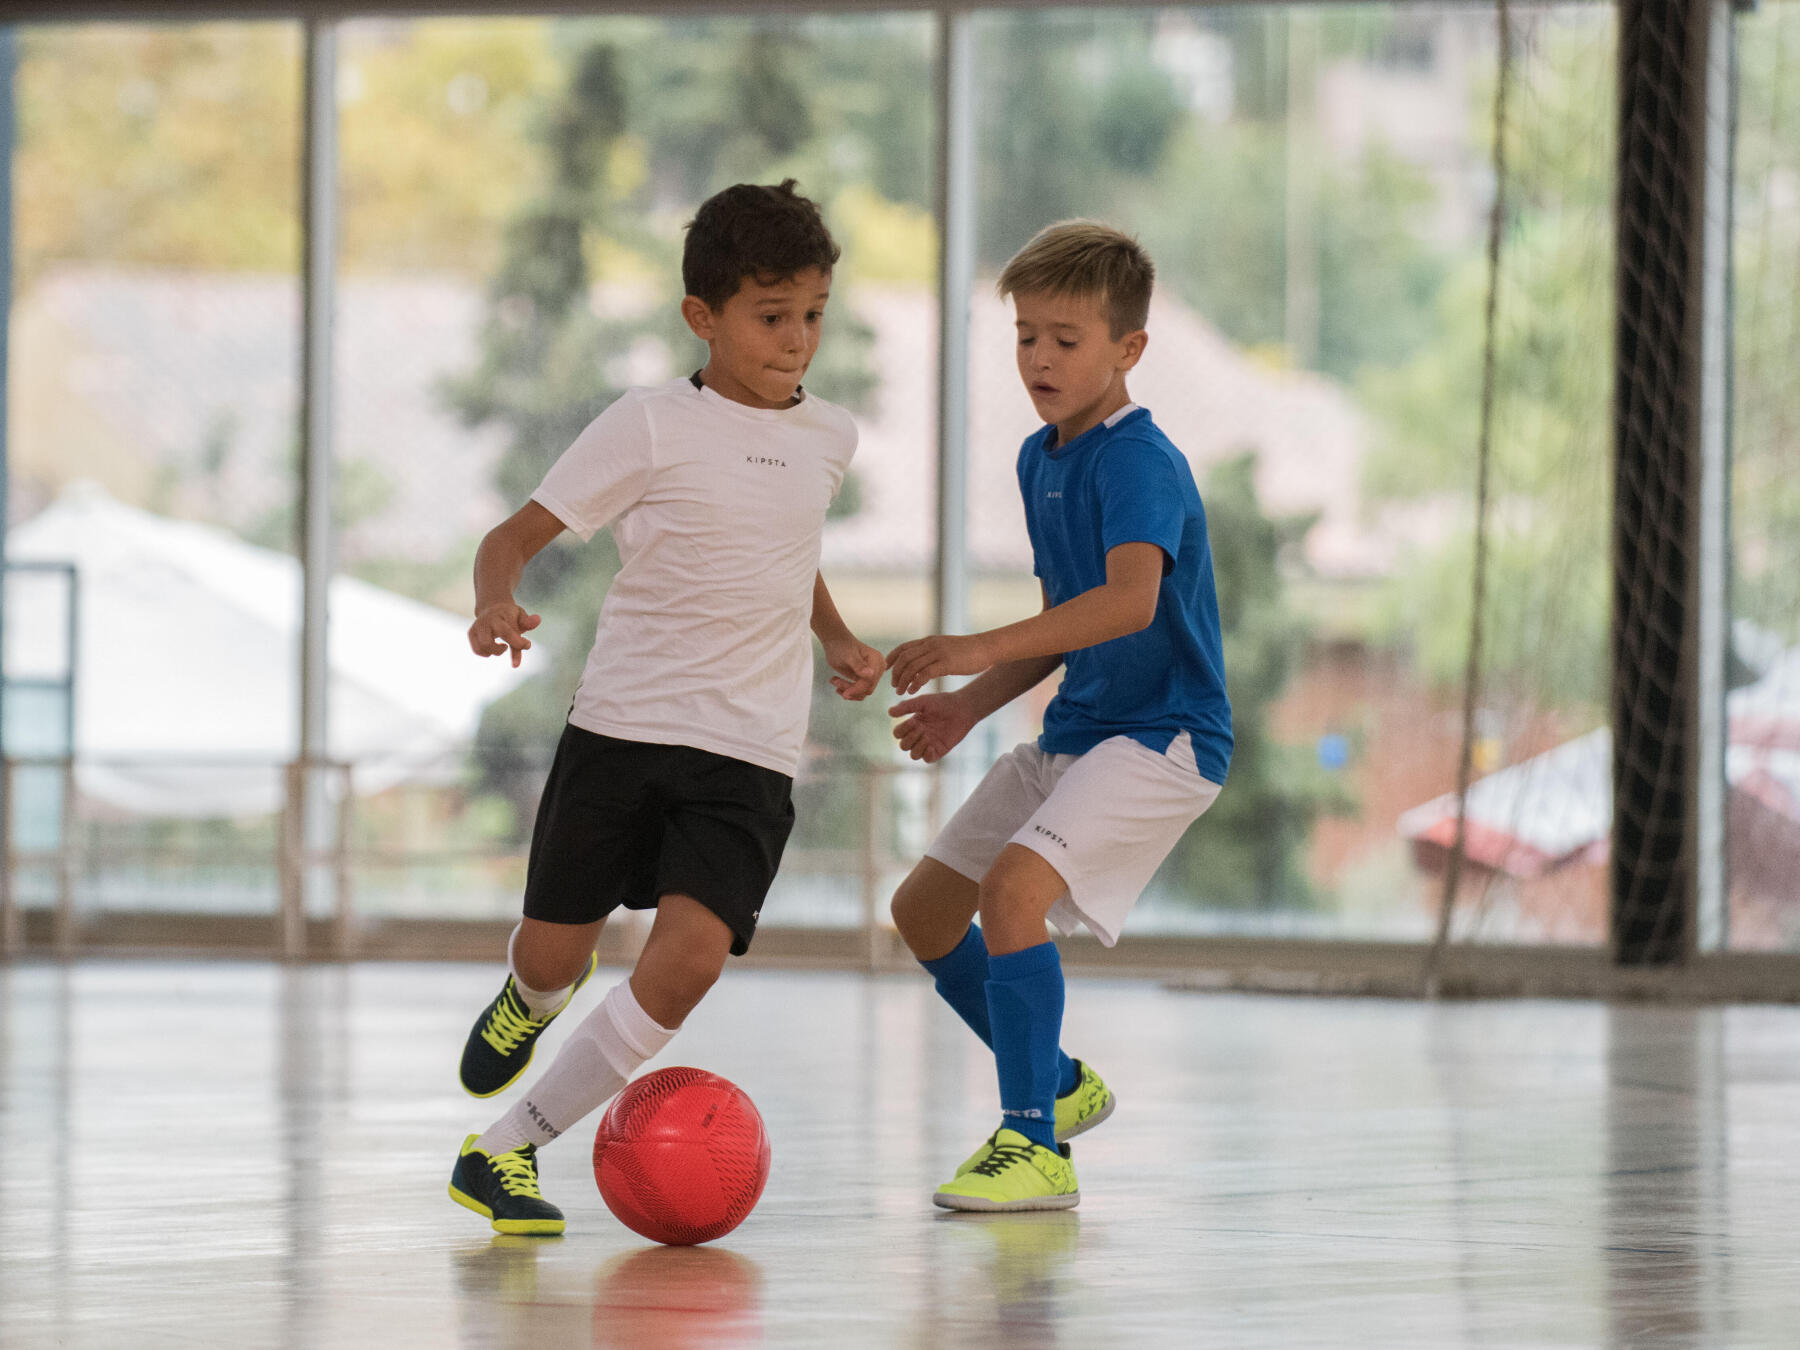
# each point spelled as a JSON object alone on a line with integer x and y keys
{"x": 1104, "y": 820}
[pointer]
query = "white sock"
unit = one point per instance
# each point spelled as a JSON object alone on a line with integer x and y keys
{"x": 596, "y": 1061}
{"x": 537, "y": 1001}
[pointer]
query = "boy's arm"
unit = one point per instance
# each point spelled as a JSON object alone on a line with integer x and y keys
{"x": 935, "y": 723}
{"x": 856, "y": 666}
{"x": 500, "y": 622}
{"x": 1124, "y": 603}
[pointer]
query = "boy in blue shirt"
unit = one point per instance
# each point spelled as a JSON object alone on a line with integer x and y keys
{"x": 1136, "y": 742}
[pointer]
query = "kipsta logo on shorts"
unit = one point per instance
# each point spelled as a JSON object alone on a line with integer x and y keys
{"x": 1052, "y": 836}
{"x": 766, "y": 461}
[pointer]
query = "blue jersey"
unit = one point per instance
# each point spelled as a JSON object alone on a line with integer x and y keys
{"x": 1123, "y": 484}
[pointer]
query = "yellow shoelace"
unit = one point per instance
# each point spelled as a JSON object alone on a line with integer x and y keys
{"x": 509, "y": 1024}
{"x": 518, "y": 1173}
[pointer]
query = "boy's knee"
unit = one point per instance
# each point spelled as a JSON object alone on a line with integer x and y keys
{"x": 673, "y": 988}
{"x": 1003, "y": 892}
{"x": 909, "y": 905}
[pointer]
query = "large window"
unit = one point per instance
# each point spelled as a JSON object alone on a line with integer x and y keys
{"x": 1763, "y": 707}
{"x": 152, "y": 440}
{"x": 1314, "y": 186}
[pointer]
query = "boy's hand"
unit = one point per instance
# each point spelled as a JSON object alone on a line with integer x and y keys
{"x": 499, "y": 627}
{"x": 917, "y": 663}
{"x": 858, "y": 668}
{"x": 934, "y": 724}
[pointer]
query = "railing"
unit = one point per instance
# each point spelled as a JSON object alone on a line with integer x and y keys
{"x": 302, "y": 878}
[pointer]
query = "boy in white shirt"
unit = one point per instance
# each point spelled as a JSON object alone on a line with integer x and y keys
{"x": 671, "y": 786}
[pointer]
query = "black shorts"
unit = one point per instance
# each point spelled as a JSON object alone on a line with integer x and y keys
{"x": 627, "y": 822}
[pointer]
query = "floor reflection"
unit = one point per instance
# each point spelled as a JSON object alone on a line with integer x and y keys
{"x": 1012, "y": 1287}
{"x": 1664, "y": 1182}
{"x": 518, "y": 1292}
{"x": 678, "y": 1298}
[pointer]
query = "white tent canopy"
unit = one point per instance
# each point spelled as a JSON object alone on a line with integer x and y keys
{"x": 186, "y": 678}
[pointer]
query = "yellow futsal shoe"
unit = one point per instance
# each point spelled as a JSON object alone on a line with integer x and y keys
{"x": 503, "y": 1189}
{"x": 1084, "y": 1106}
{"x": 1016, "y": 1174}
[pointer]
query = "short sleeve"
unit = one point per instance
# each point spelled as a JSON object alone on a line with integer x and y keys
{"x": 604, "y": 472}
{"x": 1141, "y": 497}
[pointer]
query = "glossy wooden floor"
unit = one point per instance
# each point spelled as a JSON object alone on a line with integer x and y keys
{"x": 244, "y": 1155}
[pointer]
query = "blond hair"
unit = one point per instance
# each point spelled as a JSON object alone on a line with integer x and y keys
{"x": 1084, "y": 257}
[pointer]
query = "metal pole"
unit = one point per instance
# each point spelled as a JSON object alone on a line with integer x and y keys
{"x": 318, "y": 289}
{"x": 11, "y": 936}
{"x": 1659, "y": 538}
{"x": 1712, "y": 606}
{"x": 956, "y": 279}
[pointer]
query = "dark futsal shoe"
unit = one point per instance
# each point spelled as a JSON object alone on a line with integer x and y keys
{"x": 501, "y": 1043}
{"x": 503, "y": 1188}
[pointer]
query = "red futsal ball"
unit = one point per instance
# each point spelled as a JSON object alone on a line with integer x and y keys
{"x": 681, "y": 1156}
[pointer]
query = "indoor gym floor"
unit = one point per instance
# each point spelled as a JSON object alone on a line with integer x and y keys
{"x": 242, "y": 1154}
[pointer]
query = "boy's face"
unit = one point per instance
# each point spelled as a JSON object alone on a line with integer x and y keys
{"x": 763, "y": 337}
{"x": 1072, "y": 366}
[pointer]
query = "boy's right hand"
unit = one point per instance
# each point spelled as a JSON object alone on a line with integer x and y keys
{"x": 933, "y": 726}
{"x": 499, "y": 627}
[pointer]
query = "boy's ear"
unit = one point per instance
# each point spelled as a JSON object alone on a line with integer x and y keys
{"x": 1134, "y": 344}
{"x": 699, "y": 317}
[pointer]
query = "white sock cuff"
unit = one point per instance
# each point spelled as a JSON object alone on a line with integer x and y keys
{"x": 638, "y": 1032}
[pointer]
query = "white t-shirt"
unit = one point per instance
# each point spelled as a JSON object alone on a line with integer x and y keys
{"x": 704, "y": 638}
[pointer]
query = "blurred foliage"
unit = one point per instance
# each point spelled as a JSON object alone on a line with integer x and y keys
{"x": 1765, "y": 500}
{"x": 132, "y": 146}
{"x": 1249, "y": 850}
{"x": 1548, "y": 601}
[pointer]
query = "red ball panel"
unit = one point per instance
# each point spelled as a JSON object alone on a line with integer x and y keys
{"x": 681, "y": 1156}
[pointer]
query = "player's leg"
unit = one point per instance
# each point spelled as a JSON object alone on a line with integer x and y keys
{"x": 594, "y": 845}
{"x": 719, "y": 828}
{"x": 1023, "y": 1167}
{"x": 591, "y": 845}
{"x": 682, "y": 958}
{"x": 546, "y": 963}
{"x": 935, "y": 906}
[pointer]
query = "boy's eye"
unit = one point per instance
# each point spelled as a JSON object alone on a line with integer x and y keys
{"x": 1064, "y": 343}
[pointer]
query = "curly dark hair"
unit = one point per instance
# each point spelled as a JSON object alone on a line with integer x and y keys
{"x": 752, "y": 230}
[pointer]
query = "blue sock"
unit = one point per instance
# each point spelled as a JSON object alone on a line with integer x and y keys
{"x": 961, "y": 980}
{"x": 1025, "y": 1007}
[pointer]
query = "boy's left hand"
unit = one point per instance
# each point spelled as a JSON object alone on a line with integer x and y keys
{"x": 858, "y": 668}
{"x": 917, "y": 663}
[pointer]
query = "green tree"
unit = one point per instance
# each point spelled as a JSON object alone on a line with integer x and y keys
{"x": 1547, "y": 602}
{"x": 1766, "y": 406}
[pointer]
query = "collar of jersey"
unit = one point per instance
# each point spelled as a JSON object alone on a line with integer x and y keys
{"x": 1093, "y": 435}
{"x": 764, "y": 413}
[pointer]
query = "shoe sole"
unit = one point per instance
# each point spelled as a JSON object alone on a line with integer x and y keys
{"x": 975, "y": 1204}
{"x": 1083, "y": 1126}
{"x": 512, "y": 1227}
